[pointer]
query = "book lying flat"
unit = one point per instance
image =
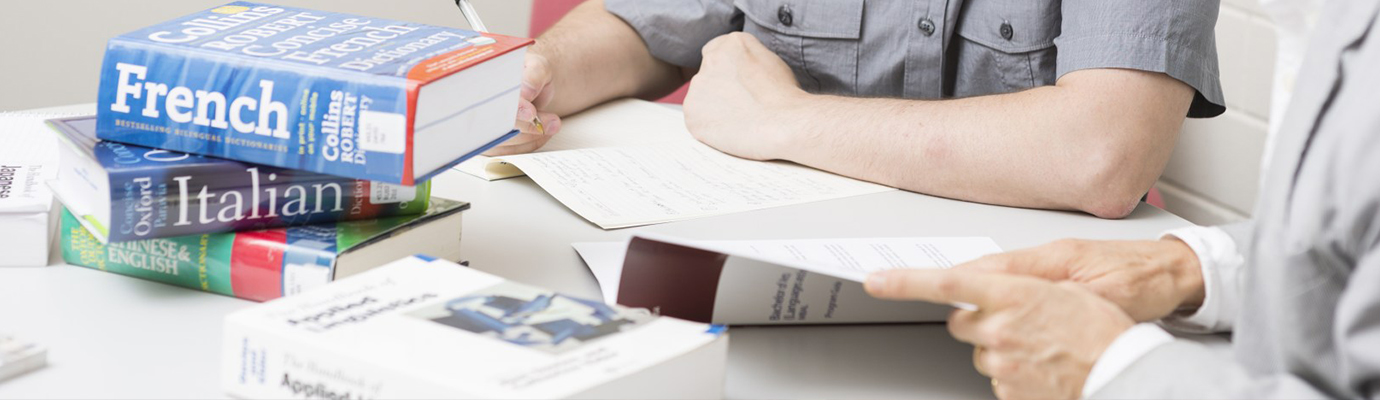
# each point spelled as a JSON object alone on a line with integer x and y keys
{"x": 128, "y": 192}
{"x": 769, "y": 282}
{"x": 348, "y": 95}
{"x": 422, "y": 328}
{"x": 268, "y": 264}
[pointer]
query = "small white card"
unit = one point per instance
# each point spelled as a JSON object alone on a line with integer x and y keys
{"x": 386, "y": 193}
{"x": 382, "y": 132}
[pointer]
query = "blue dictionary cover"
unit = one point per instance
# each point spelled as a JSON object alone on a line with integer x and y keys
{"x": 292, "y": 88}
{"x": 158, "y": 193}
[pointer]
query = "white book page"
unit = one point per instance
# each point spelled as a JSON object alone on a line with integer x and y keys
{"x": 605, "y": 260}
{"x": 848, "y": 258}
{"x": 869, "y": 255}
{"x": 29, "y": 141}
{"x": 626, "y": 122}
{"x": 619, "y": 187}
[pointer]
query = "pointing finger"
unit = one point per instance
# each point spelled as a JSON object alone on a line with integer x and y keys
{"x": 983, "y": 289}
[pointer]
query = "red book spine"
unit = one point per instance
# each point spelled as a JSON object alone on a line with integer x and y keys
{"x": 256, "y": 264}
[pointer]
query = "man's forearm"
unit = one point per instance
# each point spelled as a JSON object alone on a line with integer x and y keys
{"x": 1060, "y": 147}
{"x": 596, "y": 57}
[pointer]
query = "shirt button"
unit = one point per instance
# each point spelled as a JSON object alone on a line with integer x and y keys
{"x": 1006, "y": 31}
{"x": 784, "y": 15}
{"x": 927, "y": 26}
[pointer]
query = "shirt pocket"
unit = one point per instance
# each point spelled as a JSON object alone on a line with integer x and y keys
{"x": 1006, "y": 46}
{"x": 818, "y": 39}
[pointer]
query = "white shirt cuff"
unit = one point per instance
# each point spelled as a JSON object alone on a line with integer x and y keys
{"x": 1124, "y": 351}
{"x": 1220, "y": 261}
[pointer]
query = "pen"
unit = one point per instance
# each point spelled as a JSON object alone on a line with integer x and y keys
{"x": 472, "y": 17}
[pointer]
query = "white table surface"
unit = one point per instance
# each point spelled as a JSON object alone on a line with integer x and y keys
{"x": 110, "y": 336}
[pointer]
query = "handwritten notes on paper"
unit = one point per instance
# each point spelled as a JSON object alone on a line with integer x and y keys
{"x": 631, "y": 162}
{"x": 618, "y": 187}
{"x": 627, "y": 122}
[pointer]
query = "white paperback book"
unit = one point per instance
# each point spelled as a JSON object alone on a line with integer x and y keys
{"x": 771, "y": 282}
{"x": 424, "y": 328}
{"x": 28, "y": 159}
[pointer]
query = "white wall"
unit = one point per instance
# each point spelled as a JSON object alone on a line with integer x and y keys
{"x": 50, "y": 51}
{"x": 1214, "y": 174}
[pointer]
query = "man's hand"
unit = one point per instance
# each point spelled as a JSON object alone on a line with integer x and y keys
{"x": 537, "y": 91}
{"x": 1148, "y": 279}
{"x": 739, "y": 96}
{"x": 1035, "y": 338}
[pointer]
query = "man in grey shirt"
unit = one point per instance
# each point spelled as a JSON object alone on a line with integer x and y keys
{"x": 1061, "y": 104}
{"x": 1298, "y": 286}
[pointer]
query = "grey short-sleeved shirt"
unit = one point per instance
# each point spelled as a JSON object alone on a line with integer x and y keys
{"x": 934, "y": 49}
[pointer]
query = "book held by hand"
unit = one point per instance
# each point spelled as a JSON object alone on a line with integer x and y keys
{"x": 770, "y": 282}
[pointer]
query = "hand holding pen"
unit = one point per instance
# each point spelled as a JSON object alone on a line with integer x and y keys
{"x": 536, "y": 127}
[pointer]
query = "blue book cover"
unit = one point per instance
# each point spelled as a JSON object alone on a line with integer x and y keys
{"x": 331, "y": 93}
{"x": 127, "y": 192}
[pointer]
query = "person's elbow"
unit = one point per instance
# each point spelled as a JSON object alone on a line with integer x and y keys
{"x": 1112, "y": 180}
{"x": 1124, "y": 142}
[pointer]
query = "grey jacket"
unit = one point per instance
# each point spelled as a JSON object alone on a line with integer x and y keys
{"x": 1309, "y": 320}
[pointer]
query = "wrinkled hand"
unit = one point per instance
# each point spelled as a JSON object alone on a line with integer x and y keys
{"x": 1035, "y": 338}
{"x": 740, "y": 97}
{"x": 1148, "y": 279}
{"x": 537, "y": 92}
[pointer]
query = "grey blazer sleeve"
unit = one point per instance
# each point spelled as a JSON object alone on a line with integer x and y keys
{"x": 1188, "y": 370}
{"x": 1184, "y": 369}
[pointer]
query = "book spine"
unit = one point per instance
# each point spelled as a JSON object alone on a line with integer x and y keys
{"x": 259, "y": 266}
{"x": 258, "y": 364}
{"x": 267, "y": 112}
{"x": 148, "y": 203}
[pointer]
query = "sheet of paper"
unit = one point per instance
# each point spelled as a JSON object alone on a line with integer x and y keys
{"x": 619, "y": 187}
{"x": 849, "y": 257}
{"x": 605, "y": 260}
{"x": 625, "y": 122}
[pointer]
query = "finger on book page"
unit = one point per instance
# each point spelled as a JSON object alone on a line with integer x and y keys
{"x": 961, "y": 288}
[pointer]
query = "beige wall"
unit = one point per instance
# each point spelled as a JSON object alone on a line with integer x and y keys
{"x": 50, "y": 51}
{"x": 1214, "y": 174}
